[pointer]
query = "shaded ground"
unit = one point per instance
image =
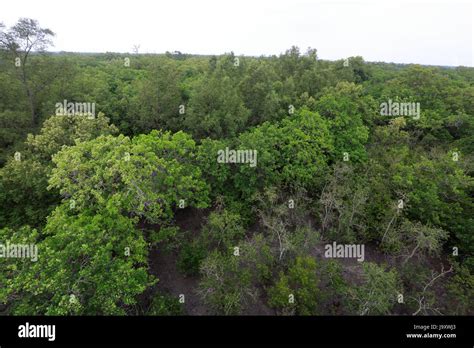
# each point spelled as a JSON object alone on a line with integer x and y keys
{"x": 171, "y": 281}
{"x": 163, "y": 265}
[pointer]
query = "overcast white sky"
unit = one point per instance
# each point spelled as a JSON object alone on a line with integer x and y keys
{"x": 425, "y": 32}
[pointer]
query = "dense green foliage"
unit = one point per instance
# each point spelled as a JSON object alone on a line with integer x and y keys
{"x": 101, "y": 196}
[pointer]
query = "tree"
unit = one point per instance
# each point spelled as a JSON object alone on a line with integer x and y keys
{"x": 460, "y": 292}
{"x": 24, "y": 197}
{"x": 379, "y": 291}
{"x": 345, "y": 109}
{"x": 164, "y": 304}
{"x": 217, "y": 175}
{"x": 438, "y": 192}
{"x": 343, "y": 203}
{"x": 223, "y": 229}
{"x": 21, "y": 40}
{"x": 425, "y": 300}
{"x": 146, "y": 176}
{"x": 285, "y": 221}
{"x": 216, "y": 109}
{"x": 231, "y": 277}
{"x": 415, "y": 239}
{"x": 158, "y": 100}
{"x": 296, "y": 292}
{"x": 353, "y": 69}
{"x": 225, "y": 286}
{"x": 291, "y": 154}
{"x": 88, "y": 264}
{"x": 259, "y": 93}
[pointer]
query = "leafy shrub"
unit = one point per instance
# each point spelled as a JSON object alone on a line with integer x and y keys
{"x": 296, "y": 292}
{"x": 224, "y": 229}
{"x": 460, "y": 291}
{"x": 334, "y": 288}
{"x": 378, "y": 292}
{"x": 225, "y": 285}
{"x": 164, "y": 304}
{"x": 190, "y": 257}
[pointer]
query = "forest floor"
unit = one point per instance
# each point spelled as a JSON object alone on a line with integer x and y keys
{"x": 163, "y": 265}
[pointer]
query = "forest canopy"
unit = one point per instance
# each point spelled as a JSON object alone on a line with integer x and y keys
{"x": 132, "y": 211}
